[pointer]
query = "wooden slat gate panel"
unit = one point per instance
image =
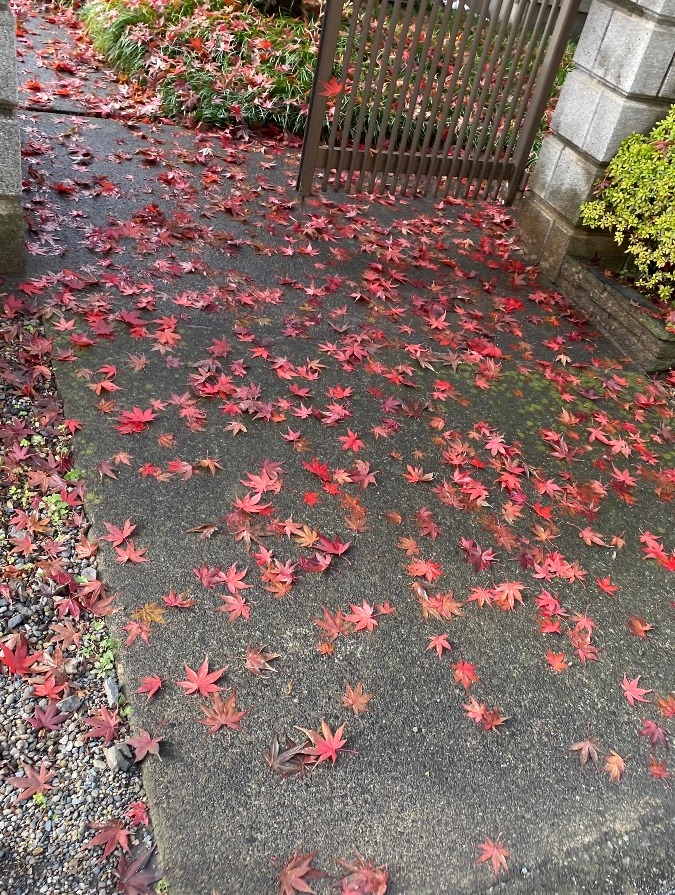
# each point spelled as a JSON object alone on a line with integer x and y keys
{"x": 431, "y": 97}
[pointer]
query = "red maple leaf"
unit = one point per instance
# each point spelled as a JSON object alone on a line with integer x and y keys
{"x": 293, "y": 878}
{"x": 362, "y": 617}
{"x": 586, "y": 750}
{"x": 325, "y": 744}
{"x": 439, "y": 642}
{"x": 103, "y": 723}
{"x": 223, "y": 713}
{"x": 465, "y": 673}
{"x": 363, "y": 877}
{"x": 557, "y": 661}
{"x": 332, "y": 88}
{"x": 32, "y": 783}
{"x": 117, "y": 535}
{"x": 133, "y": 877}
{"x": 420, "y": 568}
{"x": 495, "y": 853}
{"x": 132, "y": 421}
{"x": 606, "y": 585}
{"x": 130, "y": 553}
{"x": 632, "y": 691}
{"x": 144, "y": 744}
{"x": 234, "y": 579}
{"x": 19, "y": 661}
{"x": 150, "y": 685}
{"x": 201, "y": 681}
{"x": 235, "y": 606}
{"x": 639, "y": 627}
{"x": 111, "y": 835}
{"x": 656, "y": 735}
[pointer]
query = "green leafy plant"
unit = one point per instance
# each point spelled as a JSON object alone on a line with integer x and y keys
{"x": 636, "y": 200}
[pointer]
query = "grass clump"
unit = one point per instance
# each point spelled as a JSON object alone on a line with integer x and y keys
{"x": 214, "y": 62}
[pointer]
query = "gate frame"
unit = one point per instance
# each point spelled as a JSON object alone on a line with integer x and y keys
{"x": 511, "y": 170}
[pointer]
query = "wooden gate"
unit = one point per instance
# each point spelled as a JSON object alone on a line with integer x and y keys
{"x": 431, "y": 96}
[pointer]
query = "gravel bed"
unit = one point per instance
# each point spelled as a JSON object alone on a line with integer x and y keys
{"x": 46, "y": 564}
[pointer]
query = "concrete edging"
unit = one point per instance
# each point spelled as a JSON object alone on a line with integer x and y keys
{"x": 12, "y": 244}
{"x": 616, "y": 311}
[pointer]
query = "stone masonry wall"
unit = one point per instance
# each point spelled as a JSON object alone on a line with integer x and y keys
{"x": 623, "y": 82}
{"x": 12, "y": 247}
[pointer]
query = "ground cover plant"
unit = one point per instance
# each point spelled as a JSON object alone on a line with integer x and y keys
{"x": 635, "y": 202}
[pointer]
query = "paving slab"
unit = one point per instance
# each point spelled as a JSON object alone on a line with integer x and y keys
{"x": 186, "y": 263}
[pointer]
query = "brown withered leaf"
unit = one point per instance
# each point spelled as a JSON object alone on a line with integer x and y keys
{"x": 587, "y": 750}
{"x": 285, "y": 760}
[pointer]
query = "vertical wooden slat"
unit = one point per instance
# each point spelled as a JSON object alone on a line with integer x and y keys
{"x": 368, "y": 85}
{"x": 402, "y": 104}
{"x": 331, "y": 155}
{"x": 330, "y": 30}
{"x": 356, "y": 77}
{"x": 383, "y": 76}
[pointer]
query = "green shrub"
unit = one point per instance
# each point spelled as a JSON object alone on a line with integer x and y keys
{"x": 637, "y": 202}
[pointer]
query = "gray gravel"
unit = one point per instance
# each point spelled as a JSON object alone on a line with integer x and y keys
{"x": 42, "y": 838}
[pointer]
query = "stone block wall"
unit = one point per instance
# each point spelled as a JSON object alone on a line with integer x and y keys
{"x": 623, "y": 82}
{"x": 12, "y": 247}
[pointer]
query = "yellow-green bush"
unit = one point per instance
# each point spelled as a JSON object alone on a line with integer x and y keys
{"x": 637, "y": 202}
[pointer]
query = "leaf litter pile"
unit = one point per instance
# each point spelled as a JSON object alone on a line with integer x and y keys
{"x": 379, "y": 511}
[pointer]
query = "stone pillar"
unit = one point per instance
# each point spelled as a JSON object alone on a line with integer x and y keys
{"x": 623, "y": 82}
{"x": 12, "y": 246}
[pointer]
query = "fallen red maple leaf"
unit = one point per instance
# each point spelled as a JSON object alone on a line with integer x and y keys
{"x": 293, "y": 878}
{"x": 134, "y": 878}
{"x": 615, "y": 765}
{"x": 144, "y": 744}
{"x": 332, "y": 88}
{"x": 632, "y": 691}
{"x": 202, "y": 680}
{"x": 129, "y": 422}
{"x": 130, "y": 553}
{"x": 355, "y": 699}
{"x": 586, "y": 750}
{"x": 222, "y": 713}
{"x": 325, "y": 744}
{"x": 495, "y": 853}
{"x": 19, "y": 661}
{"x": 33, "y": 782}
{"x": 117, "y": 535}
{"x": 111, "y": 835}
{"x": 363, "y": 877}
{"x": 362, "y": 617}
{"x": 103, "y": 723}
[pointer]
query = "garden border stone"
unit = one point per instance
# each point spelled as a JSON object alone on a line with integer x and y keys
{"x": 615, "y": 309}
{"x": 12, "y": 246}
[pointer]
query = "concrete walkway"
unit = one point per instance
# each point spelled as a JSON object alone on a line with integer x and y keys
{"x": 393, "y": 376}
